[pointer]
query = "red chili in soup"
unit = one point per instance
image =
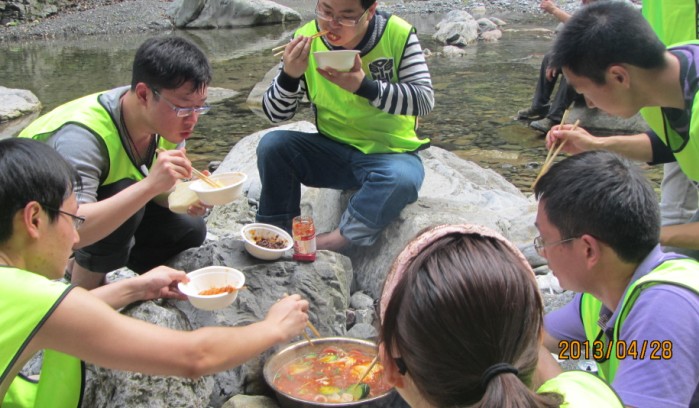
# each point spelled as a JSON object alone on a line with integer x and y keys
{"x": 325, "y": 376}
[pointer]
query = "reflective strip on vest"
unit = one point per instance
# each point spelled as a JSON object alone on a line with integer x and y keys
{"x": 679, "y": 272}
{"x": 89, "y": 113}
{"x": 581, "y": 389}
{"x": 26, "y": 301}
{"x": 351, "y": 119}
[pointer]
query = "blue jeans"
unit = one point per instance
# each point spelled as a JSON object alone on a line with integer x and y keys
{"x": 385, "y": 182}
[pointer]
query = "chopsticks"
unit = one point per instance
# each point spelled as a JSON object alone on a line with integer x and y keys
{"x": 368, "y": 370}
{"x": 203, "y": 177}
{"x": 277, "y": 51}
{"x": 554, "y": 150}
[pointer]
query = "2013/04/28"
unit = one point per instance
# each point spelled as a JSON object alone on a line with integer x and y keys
{"x": 599, "y": 350}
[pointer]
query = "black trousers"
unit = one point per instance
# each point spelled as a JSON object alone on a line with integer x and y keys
{"x": 148, "y": 239}
{"x": 544, "y": 88}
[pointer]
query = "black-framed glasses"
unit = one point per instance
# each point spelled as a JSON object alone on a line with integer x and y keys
{"x": 540, "y": 245}
{"x": 76, "y": 219}
{"x": 183, "y": 112}
{"x": 343, "y": 21}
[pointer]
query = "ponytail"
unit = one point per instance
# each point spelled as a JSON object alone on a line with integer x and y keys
{"x": 506, "y": 390}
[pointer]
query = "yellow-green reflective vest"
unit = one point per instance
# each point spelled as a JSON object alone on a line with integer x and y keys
{"x": 351, "y": 119}
{"x": 672, "y": 20}
{"x": 26, "y": 301}
{"x": 581, "y": 389}
{"x": 89, "y": 113}
{"x": 688, "y": 156}
{"x": 678, "y": 272}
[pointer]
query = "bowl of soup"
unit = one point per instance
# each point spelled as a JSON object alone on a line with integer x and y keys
{"x": 230, "y": 188}
{"x": 265, "y": 241}
{"x": 213, "y": 287}
{"x": 325, "y": 374}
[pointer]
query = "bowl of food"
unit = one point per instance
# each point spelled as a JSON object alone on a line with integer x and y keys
{"x": 230, "y": 188}
{"x": 341, "y": 60}
{"x": 325, "y": 374}
{"x": 266, "y": 242}
{"x": 213, "y": 287}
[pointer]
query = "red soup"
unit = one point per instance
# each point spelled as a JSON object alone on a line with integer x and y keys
{"x": 328, "y": 375}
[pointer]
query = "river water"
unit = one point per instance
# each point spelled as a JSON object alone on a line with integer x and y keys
{"x": 477, "y": 95}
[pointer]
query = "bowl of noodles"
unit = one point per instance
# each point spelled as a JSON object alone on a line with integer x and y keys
{"x": 325, "y": 373}
{"x": 213, "y": 287}
{"x": 265, "y": 241}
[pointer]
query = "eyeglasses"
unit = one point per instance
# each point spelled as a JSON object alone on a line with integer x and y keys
{"x": 183, "y": 112}
{"x": 540, "y": 246}
{"x": 77, "y": 220}
{"x": 343, "y": 21}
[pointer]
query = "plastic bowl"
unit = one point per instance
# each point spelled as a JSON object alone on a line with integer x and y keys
{"x": 341, "y": 60}
{"x": 257, "y": 230}
{"x": 212, "y": 277}
{"x": 232, "y": 188}
{"x": 302, "y": 348}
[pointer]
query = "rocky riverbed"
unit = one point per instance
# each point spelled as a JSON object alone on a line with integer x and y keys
{"x": 93, "y": 17}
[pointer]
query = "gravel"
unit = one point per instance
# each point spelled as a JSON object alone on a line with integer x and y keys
{"x": 94, "y": 17}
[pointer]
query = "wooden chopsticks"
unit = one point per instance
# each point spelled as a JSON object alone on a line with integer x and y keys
{"x": 554, "y": 150}
{"x": 203, "y": 177}
{"x": 277, "y": 51}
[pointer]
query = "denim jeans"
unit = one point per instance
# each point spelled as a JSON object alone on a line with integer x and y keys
{"x": 385, "y": 183}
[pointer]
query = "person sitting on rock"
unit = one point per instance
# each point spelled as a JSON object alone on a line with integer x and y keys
{"x": 111, "y": 138}
{"x": 549, "y": 113}
{"x": 461, "y": 324}
{"x": 38, "y": 227}
{"x": 636, "y": 311}
{"x": 366, "y": 120}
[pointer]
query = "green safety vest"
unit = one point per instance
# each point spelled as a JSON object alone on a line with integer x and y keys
{"x": 687, "y": 156}
{"x": 26, "y": 301}
{"x": 672, "y": 20}
{"x": 581, "y": 389}
{"x": 351, "y": 119}
{"x": 678, "y": 272}
{"x": 89, "y": 113}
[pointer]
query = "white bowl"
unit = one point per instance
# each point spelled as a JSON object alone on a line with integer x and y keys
{"x": 212, "y": 277}
{"x": 250, "y": 231}
{"x": 231, "y": 190}
{"x": 341, "y": 60}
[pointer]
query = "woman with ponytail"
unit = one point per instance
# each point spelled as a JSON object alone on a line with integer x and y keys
{"x": 461, "y": 321}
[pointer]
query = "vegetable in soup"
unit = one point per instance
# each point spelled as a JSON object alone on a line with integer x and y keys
{"x": 330, "y": 375}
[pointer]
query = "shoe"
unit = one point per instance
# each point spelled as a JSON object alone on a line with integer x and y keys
{"x": 542, "y": 125}
{"x": 532, "y": 113}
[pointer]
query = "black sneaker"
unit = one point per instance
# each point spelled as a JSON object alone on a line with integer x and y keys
{"x": 532, "y": 113}
{"x": 543, "y": 125}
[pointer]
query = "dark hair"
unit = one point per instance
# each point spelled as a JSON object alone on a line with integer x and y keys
{"x": 367, "y": 3}
{"x": 464, "y": 303}
{"x": 604, "y": 195}
{"x": 605, "y": 33}
{"x": 32, "y": 171}
{"x": 170, "y": 62}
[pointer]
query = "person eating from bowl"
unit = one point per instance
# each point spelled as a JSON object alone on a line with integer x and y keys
{"x": 111, "y": 139}
{"x": 461, "y": 325}
{"x": 38, "y": 227}
{"x": 366, "y": 120}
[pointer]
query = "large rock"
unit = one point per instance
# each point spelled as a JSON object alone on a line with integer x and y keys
{"x": 457, "y": 28}
{"x": 229, "y": 13}
{"x": 17, "y": 103}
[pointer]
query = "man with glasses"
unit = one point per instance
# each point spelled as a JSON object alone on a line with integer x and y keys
{"x": 111, "y": 138}
{"x": 636, "y": 311}
{"x": 626, "y": 71}
{"x": 366, "y": 120}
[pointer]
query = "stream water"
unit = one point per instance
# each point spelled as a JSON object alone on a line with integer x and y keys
{"x": 477, "y": 94}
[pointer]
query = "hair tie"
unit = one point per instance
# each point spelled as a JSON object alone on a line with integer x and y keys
{"x": 495, "y": 370}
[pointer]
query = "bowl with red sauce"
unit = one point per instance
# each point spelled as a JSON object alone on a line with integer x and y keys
{"x": 265, "y": 241}
{"x": 213, "y": 287}
{"x": 325, "y": 374}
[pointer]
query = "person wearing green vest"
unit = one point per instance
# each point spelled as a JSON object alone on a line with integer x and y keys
{"x": 461, "y": 324}
{"x": 366, "y": 121}
{"x": 111, "y": 139}
{"x": 636, "y": 311}
{"x": 38, "y": 227}
{"x": 624, "y": 72}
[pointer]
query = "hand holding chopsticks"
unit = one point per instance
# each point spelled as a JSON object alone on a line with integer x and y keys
{"x": 203, "y": 177}
{"x": 553, "y": 151}
{"x": 280, "y": 49}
